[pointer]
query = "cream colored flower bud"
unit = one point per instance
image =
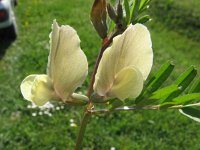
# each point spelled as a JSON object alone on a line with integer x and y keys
{"x": 125, "y": 64}
{"x": 67, "y": 69}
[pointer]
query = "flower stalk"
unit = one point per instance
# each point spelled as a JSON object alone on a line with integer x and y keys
{"x": 105, "y": 44}
{"x": 89, "y": 108}
{"x": 122, "y": 66}
{"x": 82, "y": 129}
{"x": 87, "y": 114}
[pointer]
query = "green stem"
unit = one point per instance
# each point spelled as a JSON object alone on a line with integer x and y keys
{"x": 83, "y": 126}
{"x": 87, "y": 113}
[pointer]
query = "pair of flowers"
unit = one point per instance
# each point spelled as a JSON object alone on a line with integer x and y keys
{"x": 121, "y": 73}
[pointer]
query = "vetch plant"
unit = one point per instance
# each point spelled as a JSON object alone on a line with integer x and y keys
{"x": 120, "y": 78}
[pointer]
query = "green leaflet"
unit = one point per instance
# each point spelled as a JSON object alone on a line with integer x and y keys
{"x": 157, "y": 80}
{"x": 160, "y": 77}
{"x": 195, "y": 87}
{"x": 111, "y": 26}
{"x": 143, "y": 19}
{"x": 181, "y": 100}
{"x": 143, "y": 4}
{"x": 135, "y": 10}
{"x": 159, "y": 94}
{"x": 186, "y": 98}
{"x": 127, "y": 10}
{"x": 183, "y": 81}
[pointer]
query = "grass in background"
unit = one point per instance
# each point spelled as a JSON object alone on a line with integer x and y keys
{"x": 135, "y": 130}
{"x": 180, "y": 16}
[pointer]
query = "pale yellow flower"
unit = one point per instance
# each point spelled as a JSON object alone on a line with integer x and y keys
{"x": 67, "y": 69}
{"x": 125, "y": 64}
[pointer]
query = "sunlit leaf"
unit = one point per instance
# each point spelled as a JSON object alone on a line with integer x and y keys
{"x": 127, "y": 9}
{"x": 157, "y": 80}
{"x": 164, "y": 91}
{"x": 160, "y": 77}
{"x": 144, "y": 19}
{"x": 183, "y": 82}
{"x": 135, "y": 10}
{"x": 111, "y": 26}
{"x": 186, "y": 98}
{"x": 195, "y": 87}
{"x": 144, "y": 3}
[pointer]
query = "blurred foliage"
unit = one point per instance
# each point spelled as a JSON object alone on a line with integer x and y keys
{"x": 182, "y": 16}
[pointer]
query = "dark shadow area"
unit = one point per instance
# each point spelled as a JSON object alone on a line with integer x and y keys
{"x": 5, "y": 42}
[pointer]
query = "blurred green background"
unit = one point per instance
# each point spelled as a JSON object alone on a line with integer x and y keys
{"x": 175, "y": 30}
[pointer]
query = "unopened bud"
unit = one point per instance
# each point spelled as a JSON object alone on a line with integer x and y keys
{"x": 111, "y": 12}
{"x": 98, "y": 17}
{"x": 119, "y": 11}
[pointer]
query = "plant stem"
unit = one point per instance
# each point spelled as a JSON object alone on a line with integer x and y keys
{"x": 82, "y": 129}
{"x": 106, "y": 42}
{"x": 87, "y": 113}
{"x": 89, "y": 107}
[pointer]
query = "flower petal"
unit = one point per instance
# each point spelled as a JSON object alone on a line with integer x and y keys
{"x": 42, "y": 90}
{"x": 127, "y": 84}
{"x": 38, "y": 88}
{"x": 132, "y": 48}
{"x": 68, "y": 63}
{"x": 54, "y": 38}
{"x": 26, "y": 86}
